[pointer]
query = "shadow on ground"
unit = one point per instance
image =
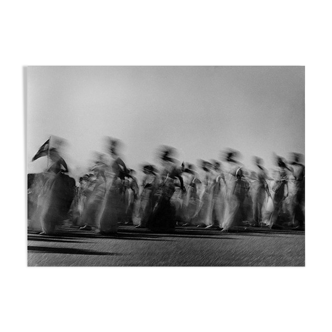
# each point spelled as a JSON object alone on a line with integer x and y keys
{"x": 70, "y": 251}
{"x": 143, "y": 234}
{"x": 37, "y": 237}
{"x": 74, "y": 236}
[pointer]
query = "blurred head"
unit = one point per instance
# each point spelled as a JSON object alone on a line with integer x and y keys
{"x": 296, "y": 158}
{"x": 258, "y": 161}
{"x": 149, "y": 169}
{"x": 166, "y": 158}
{"x": 205, "y": 165}
{"x": 230, "y": 156}
{"x": 216, "y": 165}
{"x": 166, "y": 155}
{"x": 189, "y": 169}
{"x": 280, "y": 162}
{"x": 113, "y": 147}
{"x": 239, "y": 173}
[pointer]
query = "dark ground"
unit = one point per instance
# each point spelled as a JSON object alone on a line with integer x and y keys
{"x": 184, "y": 247}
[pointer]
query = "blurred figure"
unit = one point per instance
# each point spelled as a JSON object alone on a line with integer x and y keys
{"x": 298, "y": 202}
{"x": 113, "y": 210}
{"x": 133, "y": 183}
{"x": 131, "y": 195}
{"x": 177, "y": 200}
{"x": 280, "y": 192}
{"x": 231, "y": 156}
{"x": 146, "y": 199}
{"x": 54, "y": 193}
{"x": 236, "y": 212}
{"x": 260, "y": 192}
{"x": 94, "y": 195}
{"x": 190, "y": 196}
{"x": 218, "y": 189}
{"x": 163, "y": 213}
{"x": 232, "y": 164}
{"x": 204, "y": 213}
{"x": 77, "y": 207}
{"x": 35, "y": 199}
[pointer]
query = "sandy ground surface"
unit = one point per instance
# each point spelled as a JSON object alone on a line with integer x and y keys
{"x": 183, "y": 247}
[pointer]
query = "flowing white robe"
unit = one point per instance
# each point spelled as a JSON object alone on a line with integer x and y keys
{"x": 190, "y": 201}
{"x": 56, "y": 192}
{"x": 235, "y": 200}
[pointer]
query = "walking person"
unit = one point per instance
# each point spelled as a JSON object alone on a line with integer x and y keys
{"x": 146, "y": 198}
{"x": 163, "y": 215}
{"x": 298, "y": 201}
{"x": 191, "y": 199}
{"x": 280, "y": 192}
{"x": 94, "y": 193}
{"x": 218, "y": 196}
{"x": 56, "y": 194}
{"x": 131, "y": 194}
{"x": 204, "y": 213}
{"x": 260, "y": 192}
{"x": 236, "y": 212}
{"x": 113, "y": 209}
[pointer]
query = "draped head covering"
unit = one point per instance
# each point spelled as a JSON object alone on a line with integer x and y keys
{"x": 230, "y": 156}
{"x": 239, "y": 173}
{"x": 205, "y": 165}
{"x": 166, "y": 154}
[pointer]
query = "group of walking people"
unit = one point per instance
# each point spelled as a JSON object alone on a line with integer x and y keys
{"x": 215, "y": 195}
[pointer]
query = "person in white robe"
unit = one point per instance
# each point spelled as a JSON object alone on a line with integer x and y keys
{"x": 218, "y": 189}
{"x": 146, "y": 198}
{"x": 94, "y": 194}
{"x": 236, "y": 212}
{"x": 298, "y": 197}
{"x": 56, "y": 193}
{"x": 131, "y": 195}
{"x": 203, "y": 215}
{"x": 113, "y": 209}
{"x": 260, "y": 192}
{"x": 280, "y": 192}
{"x": 190, "y": 197}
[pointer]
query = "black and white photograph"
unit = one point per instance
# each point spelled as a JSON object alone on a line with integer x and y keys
{"x": 166, "y": 165}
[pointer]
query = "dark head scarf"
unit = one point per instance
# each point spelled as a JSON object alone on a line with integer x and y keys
{"x": 205, "y": 165}
{"x": 239, "y": 173}
{"x": 148, "y": 168}
{"x": 230, "y": 156}
{"x": 216, "y": 165}
{"x": 189, "y": 169}
{"x": 167, "y": 154}
{"x": 296, "y": 158}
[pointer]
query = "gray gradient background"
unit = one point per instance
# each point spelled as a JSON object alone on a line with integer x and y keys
{"x": 198, "y": 110}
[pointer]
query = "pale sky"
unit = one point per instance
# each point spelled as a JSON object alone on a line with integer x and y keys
{"x": 198, "y": 110}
